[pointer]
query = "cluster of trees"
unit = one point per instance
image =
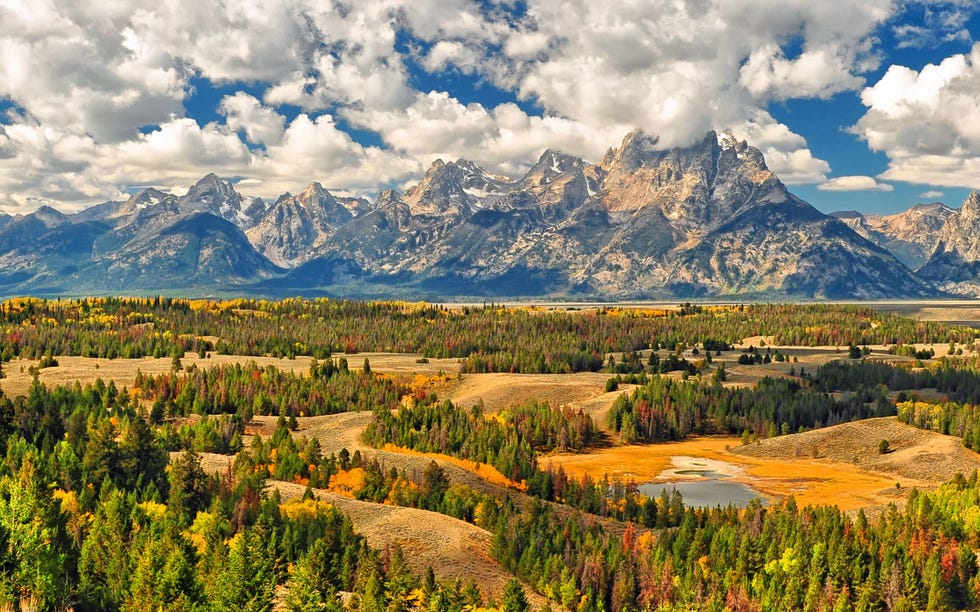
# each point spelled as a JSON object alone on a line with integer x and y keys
{"x": 906, "y": 350}
{"x": 956, "y": 378}
{"x": 847, "y": 325}
{"x": 668, "y": 409}
{"x": 948, "y": 418}
{"x": 752, "y": 356}
{"x": 770, "y": 558}
{"x": 956, "y": 413}
{"x": 507, "y": 442}
{"x": 102, "y": 327}
{"x": 247, "y": 390}
{"x": 510, "y": 442}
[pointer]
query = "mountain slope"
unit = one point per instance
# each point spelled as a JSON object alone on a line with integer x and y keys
{"x": 791, "y": 248}
{"x": 219, "y": 198}
{"x": 955, "y": 263}
{"x": 197, "y": 250}
{"x": 910, "y": 235}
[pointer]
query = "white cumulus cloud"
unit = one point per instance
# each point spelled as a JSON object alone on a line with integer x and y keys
{"x": 854, "y": 183}
{"x": 927, "y": 122}
{"x": 104, "y": 94}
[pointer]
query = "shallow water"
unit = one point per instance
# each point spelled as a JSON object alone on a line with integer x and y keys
{"x": 705, "y": 473}
{"x": 707, "y": 492}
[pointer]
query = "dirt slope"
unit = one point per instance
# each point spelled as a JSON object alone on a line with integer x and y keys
{"x": 500, "y": 391}
{"x": 916, "y": 454}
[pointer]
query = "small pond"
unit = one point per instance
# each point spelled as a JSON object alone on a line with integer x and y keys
{"x": 708, "y": 492}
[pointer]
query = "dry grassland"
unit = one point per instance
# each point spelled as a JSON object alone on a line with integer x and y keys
{"x": 497, "y": 392}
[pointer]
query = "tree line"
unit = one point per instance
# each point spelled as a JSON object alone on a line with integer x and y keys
{"x": 665, "y": 409}
{"x": 247, "y": 390}
{"x": 488, "y": 339}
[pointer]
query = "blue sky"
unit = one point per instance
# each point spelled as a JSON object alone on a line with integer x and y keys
{"x": 868, "y": 105}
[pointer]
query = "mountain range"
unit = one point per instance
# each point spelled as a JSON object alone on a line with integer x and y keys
{"x": 645, "y": 222}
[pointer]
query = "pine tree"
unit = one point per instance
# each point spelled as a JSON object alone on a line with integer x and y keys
{"x": 248, "y": 581}
{"x": 514, "y": 598}
{"x": 189, "y": 491}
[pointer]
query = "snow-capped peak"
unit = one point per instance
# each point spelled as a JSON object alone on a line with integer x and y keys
{"x": 726, "y": 140}
{"x": 555, "y": 166}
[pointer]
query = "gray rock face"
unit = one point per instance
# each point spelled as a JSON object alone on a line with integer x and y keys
{"x": 910, "y": 235}
{"x": 295, "y": 228}
{"x": 197, "y": 250}
{"x": 954, "y": 264}
{"x": 219, "y": 198}
{"x": 709, "y": 219}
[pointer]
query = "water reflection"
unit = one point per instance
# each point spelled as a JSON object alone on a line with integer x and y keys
{"x": 707, "y": 493}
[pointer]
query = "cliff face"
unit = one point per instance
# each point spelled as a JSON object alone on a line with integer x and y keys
{"x": 954, "y": 265}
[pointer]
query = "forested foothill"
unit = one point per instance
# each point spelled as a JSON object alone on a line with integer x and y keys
{"x": 107, "y": 503}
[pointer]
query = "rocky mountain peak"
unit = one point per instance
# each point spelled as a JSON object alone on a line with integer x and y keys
{"x": 911, "y": 235}
{"x": 211, "y": 185}
{"x": 631, "y": 154}
{"x": 440, "y": 192}
{"x": 557, "y": 162}
{"x": 550, "y": 166}
{"x": 955, "y": 262}
{"x": 937, "y": 208}
{"x": 478, "y": 182}
{"x": 315, "y": 196}
{"x": 963, "y": 223}
{"x": 49, "y": 216}
{"x": 697, "y": 187}
{"x": 212, "y": 195}
{"x": 315, "y": 191}
{"x": 148, "y": 197}
{"x": 292, "y": 230}
{"x": 388, "y": 195}
{"x": 970, "y": 211}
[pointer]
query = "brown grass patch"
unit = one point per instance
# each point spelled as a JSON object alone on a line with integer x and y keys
{"x": 486, "y": 472}
{"x": 499, "y": 391}
{"x": 641, "y": 463}
{"x": 916, "y": 456}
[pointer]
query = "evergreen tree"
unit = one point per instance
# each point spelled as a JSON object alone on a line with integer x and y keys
{"x": 189, "y": 491}
{"x": 514, "y": 598}
{"x": 248, "y": 581}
